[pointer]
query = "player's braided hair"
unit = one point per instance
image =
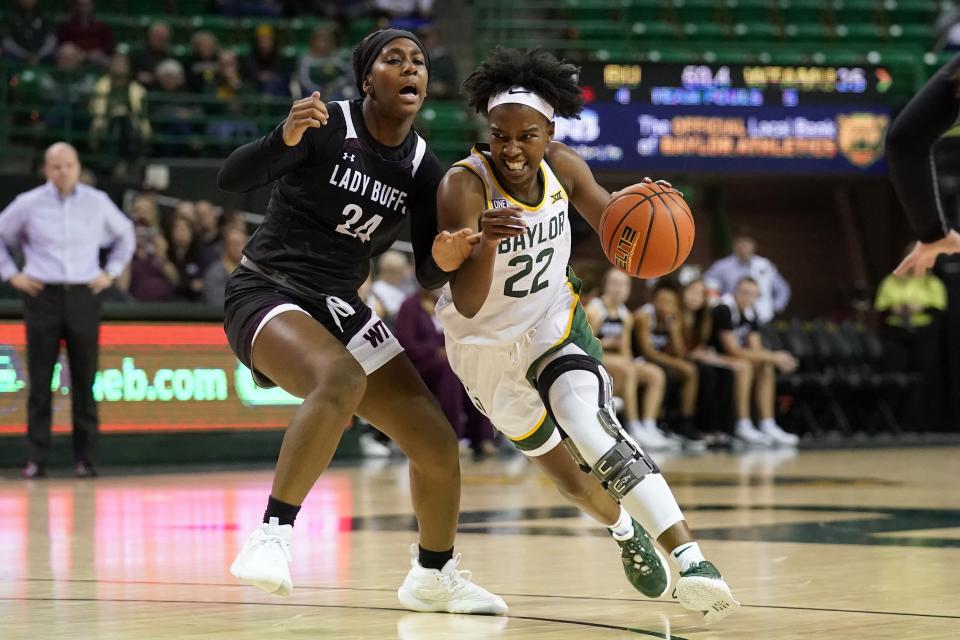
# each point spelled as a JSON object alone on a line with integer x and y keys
{"x": 553, "y": 80}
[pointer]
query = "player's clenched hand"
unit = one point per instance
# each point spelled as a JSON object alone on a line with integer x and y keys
{"x": 497, "y": 224}
{"x": 450, "y": 250}
{"x": 923, "y": 255}
{"x": 304, "y": 114}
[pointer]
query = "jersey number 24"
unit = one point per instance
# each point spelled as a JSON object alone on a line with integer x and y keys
{"x": 365, "y": 230}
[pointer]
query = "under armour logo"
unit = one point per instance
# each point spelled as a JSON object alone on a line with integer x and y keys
{"x": 349, "y": 156}
{"x": 556, "y": 196}
{"x": 378, "y": 333}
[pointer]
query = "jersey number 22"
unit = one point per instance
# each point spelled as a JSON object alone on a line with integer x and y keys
{"x": 526, "y": 262}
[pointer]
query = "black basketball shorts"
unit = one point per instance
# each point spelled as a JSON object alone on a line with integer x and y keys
{"x": 252, "y": 300}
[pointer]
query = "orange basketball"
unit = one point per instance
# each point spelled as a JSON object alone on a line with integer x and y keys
{"x": 647, "y": 231}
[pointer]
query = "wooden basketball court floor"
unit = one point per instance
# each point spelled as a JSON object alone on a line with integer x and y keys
{"x": 838, "y": 544}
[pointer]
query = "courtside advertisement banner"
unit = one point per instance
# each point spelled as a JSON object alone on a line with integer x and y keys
{"x": 153, "y": 377}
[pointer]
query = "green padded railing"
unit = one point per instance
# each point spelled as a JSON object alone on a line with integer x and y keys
{"x": 43, "y": 105}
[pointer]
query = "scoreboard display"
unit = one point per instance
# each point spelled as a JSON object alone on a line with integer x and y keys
{"x": 735, "y": 85}
{"x": 722, "y": 118}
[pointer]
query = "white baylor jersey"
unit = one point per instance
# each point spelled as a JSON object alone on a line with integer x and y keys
{"x": 530, "y": 271}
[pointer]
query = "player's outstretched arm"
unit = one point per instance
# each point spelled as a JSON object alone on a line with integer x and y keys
{"x": 266, "y": 159}
{"x": 910, "y": 139}
{"x": 461, "y": 204}
{"x": 924, "y": 254}
{"x": 585, "y": 193}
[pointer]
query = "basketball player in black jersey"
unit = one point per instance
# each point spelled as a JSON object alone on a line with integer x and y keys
{"x": 346, "y": 177}
{"x": 910, "y": 142}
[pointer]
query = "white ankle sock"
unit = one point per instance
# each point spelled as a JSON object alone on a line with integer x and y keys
{"x": 744, "y": 423}
{"x": 766, "y": 423}
{"x": 687, "y": 555}
{"x": 622, "y": 529}
{"x": 635, "y": 425}
{"x": 650, "y": 424}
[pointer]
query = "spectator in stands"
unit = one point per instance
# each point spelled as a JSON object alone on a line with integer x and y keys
{"x": 231, "y": 122}
{"x": 215, "y": 277}
{"x": 612, "y": 323}
{"x": 187, "y": 256}
{"x": 911, "y": 307}
{"x": 723, "y": 380}
{"x": 67, "y": 89}
{"x": 151, "y": 277}
{"x": 443, "y": 68}
{"x": 61, "y": 227}
{"x": 725, "y": 273}
{"x": 232, "y": 219}
{"x": 659, "y": 339}
{"x": 187, "y": 210}
{"x": 265, "y": 65}
{"x": 947, "y": 27}
{"x": 735, "y": 334}
{"x": 207, "y": 228}
{"x": 27, "y": 35}
{"x": 143, "y": 212}
{"x": 422, "y": 338}
{"x": 93, "y": 37}
{"x": 239, "y": 8}
{"x": 202, "y": 64}
{"x": 393, "y": 282}
{"x": 172, "y": 118}
{"x": 322, "y": 69}
{"x": 146, "y": 60}
{"x": 404, "y": 14}
{"x": 118, "y": 111}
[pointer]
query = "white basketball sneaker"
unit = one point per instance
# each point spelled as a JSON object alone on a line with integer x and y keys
{"x": 776, "y": 433}
{"x": 448, "y": 590}
{"x": 702, "y": 588}
{"x": 750, "y": 435}
{"x": 264, "y": 560}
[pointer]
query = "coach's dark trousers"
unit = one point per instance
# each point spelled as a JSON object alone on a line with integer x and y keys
{"x": 70, "y": 313}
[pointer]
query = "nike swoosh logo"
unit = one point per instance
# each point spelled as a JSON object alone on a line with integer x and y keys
{"x": 679, "y": 552}
{"x": 512, "y": 92}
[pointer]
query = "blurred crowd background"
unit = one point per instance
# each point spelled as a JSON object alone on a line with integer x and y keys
{"x": 155, "y": 93}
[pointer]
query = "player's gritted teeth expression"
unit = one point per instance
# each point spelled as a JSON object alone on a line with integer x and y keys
{"x": 518, "y": 140}
{"x": 399, "y": 76}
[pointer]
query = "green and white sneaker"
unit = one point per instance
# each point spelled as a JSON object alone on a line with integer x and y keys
{"x": 645, "y": 567}
{"x": 702, "y": 588}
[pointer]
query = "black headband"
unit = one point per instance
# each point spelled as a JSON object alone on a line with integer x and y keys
{"x": 373, "y": 47}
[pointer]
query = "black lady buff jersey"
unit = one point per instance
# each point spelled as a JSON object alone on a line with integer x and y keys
{"x": 910, "y": 143}
{"x": 340, "y": 199}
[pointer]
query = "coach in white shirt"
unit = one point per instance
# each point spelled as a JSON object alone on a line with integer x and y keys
{"x": 725, "y": 273}
{"x": 61, "y": 227}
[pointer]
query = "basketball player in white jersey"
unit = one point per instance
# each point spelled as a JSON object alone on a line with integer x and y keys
{"x": 516, "y": 334}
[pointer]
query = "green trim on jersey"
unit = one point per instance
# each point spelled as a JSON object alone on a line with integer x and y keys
{"x": 539, "y": 437}
{"x": 581, "y": 333}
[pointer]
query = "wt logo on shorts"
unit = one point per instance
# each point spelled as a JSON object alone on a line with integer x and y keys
{"x": 377, "y": 334}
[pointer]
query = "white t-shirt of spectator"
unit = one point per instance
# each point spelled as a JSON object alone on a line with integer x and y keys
{"x": 725, "y": 273}
{"x": 390, "y": 296}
